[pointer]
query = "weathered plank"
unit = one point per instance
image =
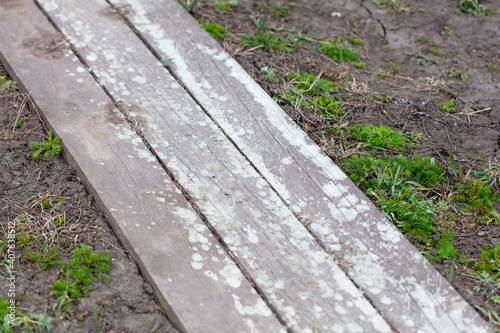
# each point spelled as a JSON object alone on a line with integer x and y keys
{"x": 294, "y": 273}
{"x": 391, "y": 272}
{"x": 148, "y": 213}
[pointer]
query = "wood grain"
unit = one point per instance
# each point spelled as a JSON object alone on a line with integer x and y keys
{"x": 148, "y": 213}
{"x": 398, "y": 280}
{"x": 291, "y": 270}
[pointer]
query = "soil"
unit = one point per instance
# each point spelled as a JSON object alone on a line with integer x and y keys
{"x": 127, "y": 303}
{"x": 410, "y": 98}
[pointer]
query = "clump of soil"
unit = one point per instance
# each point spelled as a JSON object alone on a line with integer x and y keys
{"x": 416, "y": 58}
{"x": 69, "y": 218}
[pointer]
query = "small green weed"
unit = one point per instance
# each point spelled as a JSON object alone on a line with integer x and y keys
{"x": 490, "y": 285}
{"x": 421, "y": 10}
{"x": 166, "y": 62}
{"x": 20, "y": 123}
{"x": 357, "y": 41}
{"x": 492, "y": 67}
{"x": 7, "y": 84}
{"x": 493, "y": 317}
{"x": 464, "y": 77}
{"x": 46, "y": 255}
{"x": 52, "y": 147}
{"x": 268, "y": 74}
{"x": 394, "y": 70}
{"x": 489, "y": 260}
{"x": 397, "y": 5}
{"x": 84, "y": 268}
{"x": 27, "y": 323}
{"x": 423, "y": 62}
{"x": 380, "y": 137}
{"x": 477, "y": 159}
{"x": 491, "y": 174}
{"x": 446, "y": 31}
{"x": 310, "y": 84}
{"x": 474, "y": 8}
{"x": 4, "y": 162}
{"x": 476, "y": 195}
{"x": 448, "y": 106}
{"x": 96, "y": 318}
{"x": 421, "y": 39}
{"x": 446, "y": 250}
{"x": 189, "y": 5}
{"x": 265, "y": 38}
{"x": 215, "y": 30}
{"x": 45, "y": 200}
{"x": 274, "y": 9}
{"x": 224, "y": 6}
{"x": 338, "y": 49}
{"x": 449, "y": 276}
{"x": 328, "y": 107}
{"x": 435, "y": 51}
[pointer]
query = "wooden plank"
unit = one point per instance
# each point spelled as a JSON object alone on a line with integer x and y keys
{"x": 391, "y": 272}
{"x": 148, "y": 213}
{"x": 287, "y": 264}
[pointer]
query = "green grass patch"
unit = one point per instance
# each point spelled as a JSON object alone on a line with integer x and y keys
{"x": 215, "y": 30}
{"x": 489, "y": 260}
{"x": 45, "y": 255}
{"x": 477, "y": 196}
{"x": 380, "y": 137}
{"x": 318, "y": 95}
{"x": 394, "y": 183}
{"x": 84, "y": 268}
{"x": 488, "y": 273}
{"x": 338, "y": 49}
{"x": 308, "y": 84}
{"x": 268, "y": 40}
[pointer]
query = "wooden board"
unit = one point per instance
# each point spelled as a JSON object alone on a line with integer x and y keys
{"x": 148, "y": 213}
{"x": 296, "y": 276}
{"x": 398, "y": 280}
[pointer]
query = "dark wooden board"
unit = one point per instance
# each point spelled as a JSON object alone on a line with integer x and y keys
{"x": 290, "y": 269}
{"x": 398, "y": 280}
{"x": 151, "y": 217}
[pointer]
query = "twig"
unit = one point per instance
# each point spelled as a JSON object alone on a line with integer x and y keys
{"x": 449, "y": 139}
